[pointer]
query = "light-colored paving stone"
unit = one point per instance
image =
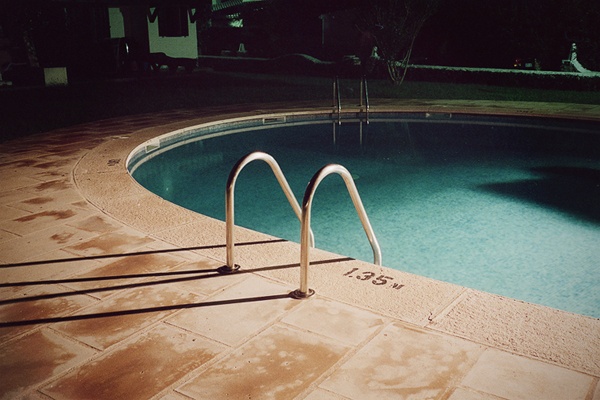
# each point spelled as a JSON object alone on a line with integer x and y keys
{"x": 468, "y": 394}
{"x": 38, "y": 306}
{"x": 277, "y": 364}
{"x": 4, "y": 236}
{"x": 138, "y": 369}
{"x": 37, "y": 243}
{"x": 517, "y": 378}
{"x": 124, "y": 314}
{"x": 238, "y": 312}
{"x": 124, "y": 272}
{"x": 10, "y": 213}
{"x": 117, "y": 242}
{"x": 56, "y": 199}
{"x": 50, "y": 186}
{"x": 43, "y": 268}
{"x": 340, "y": 322}
{"x": 597, "y": 391}
{"x": 321, "y": 394}
{"x": 202, "y": 277}
{"x": 35, "y": 359}
{"x": 404, "y": 362}
{"x": 31, "y": 223}
{"x": 532, "y": 330}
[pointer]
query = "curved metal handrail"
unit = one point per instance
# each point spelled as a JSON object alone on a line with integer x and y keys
{"x": 229, "y": 202}
{"x": 304, "y": 291}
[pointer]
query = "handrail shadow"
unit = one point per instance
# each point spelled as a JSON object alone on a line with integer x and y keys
{"x": 140, "y": 311}
{"x": 198, "y": 274}
{"x": 139, "y": 253}
{"x": 8, "y": 324}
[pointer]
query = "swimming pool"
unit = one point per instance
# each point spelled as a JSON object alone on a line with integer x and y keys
{"x": 504, "y": 205}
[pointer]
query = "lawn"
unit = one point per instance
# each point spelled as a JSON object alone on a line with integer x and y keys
{"x": 25, "y": 111}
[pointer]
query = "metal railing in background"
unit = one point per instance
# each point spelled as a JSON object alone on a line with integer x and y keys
{"x": 337, "y": 102}
{"x": 364, "y": 95}
{"x": 363, "y": 102}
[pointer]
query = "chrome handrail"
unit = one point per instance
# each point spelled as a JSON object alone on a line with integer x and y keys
{"x": 365, "y": 93}
{"x": 364, "y": 97}
{"x": 337, "y": 103}
{"x": 229, "y": 202}
{"x": 304, "y": 291}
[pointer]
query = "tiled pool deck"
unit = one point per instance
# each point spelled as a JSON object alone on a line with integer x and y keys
{"x": 107, "y": 291}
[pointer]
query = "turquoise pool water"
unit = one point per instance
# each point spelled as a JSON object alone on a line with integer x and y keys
{"x": 508, "y": 206}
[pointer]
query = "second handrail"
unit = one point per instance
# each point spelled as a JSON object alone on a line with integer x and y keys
{"x": 305, "y": 230}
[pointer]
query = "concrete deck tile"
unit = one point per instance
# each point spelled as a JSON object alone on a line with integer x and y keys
{"x": 187, "y": 253}
{"x": 117, "y": 318}
{"x": 5, "y": 236}
{"x": 44, "y": 168}
{"x": 34, "y": 246}
{"x": 10, "y": 213}
{"x": 198, "y": 233}
{"x": 173, "y": 396}
{"x": 321, "y": 394}
{"x": 513, "y": 377}
{"x": 16, "y": 164}
{"x": 14, "y": 180}
{"x": 50, "y": 186}
{"x": 238, "y": 312}
{"x": 12, "y": 196}
{"x": 341, "y": 322}
{"x": 116, "y": 243}
{"x": 38, "y": 221}
{"x": 45, "y": 202}
{"x": 468, "y": 394}
{"x": 139, "y": 369}
{"x": 402, "y": 362}
{"x": 279, "y": 363}
{"x": 96, "y": 224}
{"x": 43, "y": 268}
{"x": 19, "y": 314}
{"x": 409, "y": 297}
{"x": 35, "y": 358}
{"x": 203, "y": 277}
{"x": 106, "y": 190}
{"x": 124, "y": 272}
{"x": 527, "y": 329}
{"x": 138, "y": 207}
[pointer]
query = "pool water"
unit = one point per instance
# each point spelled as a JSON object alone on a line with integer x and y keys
{"x": 503, "y": 206}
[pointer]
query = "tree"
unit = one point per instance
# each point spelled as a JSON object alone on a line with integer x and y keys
{"x": 395, "y": 25}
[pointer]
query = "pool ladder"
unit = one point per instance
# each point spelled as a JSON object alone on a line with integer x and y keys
{"x": 303, "y": 213}
{"x": 364, "y": 98}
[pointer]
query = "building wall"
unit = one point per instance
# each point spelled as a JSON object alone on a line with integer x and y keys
{"x": 117, "y": 27}
{"x": 184, "y": 47}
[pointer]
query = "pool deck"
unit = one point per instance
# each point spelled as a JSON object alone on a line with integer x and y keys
{"x": 108, "y": 291}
